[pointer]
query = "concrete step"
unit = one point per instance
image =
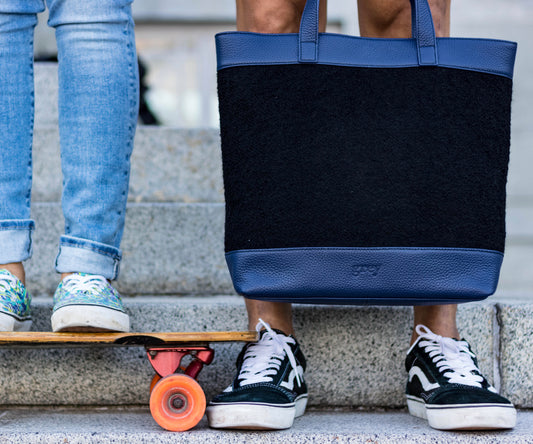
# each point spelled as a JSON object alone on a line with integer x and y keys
{"x": 171, "y": 248}
{"x": 167, "y": 249}
{"x": 135, "y": 426}
{"x": 46, "y": 88}
{"x": 355, "y": 354}
{"x": 167, "y": 165}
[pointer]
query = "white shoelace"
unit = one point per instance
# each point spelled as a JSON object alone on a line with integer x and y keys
{"x": 263, "y": 359}
{"x": 7, "y": 282}
{"x": 452, "y": 358}
{"x": 76, "y": 282}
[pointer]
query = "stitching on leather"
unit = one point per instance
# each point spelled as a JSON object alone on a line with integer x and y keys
{"x": 370, "y": 249}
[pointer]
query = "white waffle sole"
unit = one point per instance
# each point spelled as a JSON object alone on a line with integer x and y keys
{"x": 464, "y": 416}
{"x": 255, "y": 416}
{"x": 82, "y": 318}
{"x": 10, "y": 323}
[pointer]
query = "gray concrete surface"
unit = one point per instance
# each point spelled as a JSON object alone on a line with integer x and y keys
{"x": 167, "y": 165}
{"x": 45, "y": 80}
{"x": 129, "y": 426}
{"x": 517, "y": 268}
{"x": 167, "y": 249}
{"x": 355, "y": 354}
{"x": 516, "y": 338}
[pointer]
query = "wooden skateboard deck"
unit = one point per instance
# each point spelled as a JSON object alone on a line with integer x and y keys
{"x": 177, "y": 402}
{"x": 53, "y": 340}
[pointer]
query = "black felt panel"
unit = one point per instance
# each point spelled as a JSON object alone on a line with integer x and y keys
{"x": 318, "y": 156}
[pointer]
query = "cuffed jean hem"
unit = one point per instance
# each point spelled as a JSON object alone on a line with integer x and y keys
{"x": 15, "y": 240}
{"x": 85, "y": 256}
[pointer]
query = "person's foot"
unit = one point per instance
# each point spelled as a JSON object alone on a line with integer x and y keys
{"x": 14, "y": 303}
{"x": 88, "y": 302}
{"x": 446, "y": 387}
{"x": 269, "y": 390}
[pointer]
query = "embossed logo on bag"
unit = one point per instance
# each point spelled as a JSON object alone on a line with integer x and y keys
{"x": 360, "y": 270}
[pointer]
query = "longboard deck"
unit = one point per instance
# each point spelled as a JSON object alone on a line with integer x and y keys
{"x": 52, "y": 340}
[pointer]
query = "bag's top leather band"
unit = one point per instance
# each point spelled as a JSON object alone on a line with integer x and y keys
{"x": 422, "y": 31}
{"x": 247, "y": 48}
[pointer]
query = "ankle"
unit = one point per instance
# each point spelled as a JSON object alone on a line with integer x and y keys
{"x": 440, "y": 319}
{"x": 64, "y": 275}
{"x": 441, "y": 329}
{"x": 17, "y": 270}
{"x": 287, "y": 330}
{"x": 277, "y": 315}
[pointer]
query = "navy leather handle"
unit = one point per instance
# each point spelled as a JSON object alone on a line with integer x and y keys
{"x": 422, "y": 31}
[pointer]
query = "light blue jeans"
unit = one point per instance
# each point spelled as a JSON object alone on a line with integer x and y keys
{"x": 98, "y": 103}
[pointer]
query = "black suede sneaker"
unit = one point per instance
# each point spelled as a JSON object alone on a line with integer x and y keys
{"x": 446, "y": 387}
{"x": 269, "y": 390}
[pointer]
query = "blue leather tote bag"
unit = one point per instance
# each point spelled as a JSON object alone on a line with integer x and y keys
{"x": 364, "y": 171}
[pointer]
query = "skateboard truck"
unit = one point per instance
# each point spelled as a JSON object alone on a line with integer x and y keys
{"x": 166, "y": 360}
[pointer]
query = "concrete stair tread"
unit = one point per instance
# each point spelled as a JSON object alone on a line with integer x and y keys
{"x": 346, "y": 349}
{"x": 109, "y": 425}
{"x": 167, "y": 165}
{"x": 167, "y": 248}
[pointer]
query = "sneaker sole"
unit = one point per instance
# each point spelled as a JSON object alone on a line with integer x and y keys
{"x": 464, "y": 416}
{"x": 10, "y": 323}
{"x": 89, "y": 318}
{"x": 255, "y": 416}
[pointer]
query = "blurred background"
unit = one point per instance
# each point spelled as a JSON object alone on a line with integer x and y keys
{"x": 176, "y": 47}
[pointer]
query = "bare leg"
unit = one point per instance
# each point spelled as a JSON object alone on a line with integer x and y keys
{"x": 277, "y": 314}
{"x": 438, "y": 318}
{"x": 392, "y": 19}
{"x": 272, "y": 16}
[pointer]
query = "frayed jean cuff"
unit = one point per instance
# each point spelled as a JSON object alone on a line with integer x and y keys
{"x": 85, "y": 256}
{"x": 15, "y": 240}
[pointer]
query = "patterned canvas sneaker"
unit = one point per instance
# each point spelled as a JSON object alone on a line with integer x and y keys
{"x": 446, "y": 387}
{"x": 269, "y": 390}
{"x": 88, "y": 302}
{"x": 14, "y": 304}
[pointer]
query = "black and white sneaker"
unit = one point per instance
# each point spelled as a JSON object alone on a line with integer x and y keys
{"x": 446, "y": 387}
{"x": 269, "y": 390}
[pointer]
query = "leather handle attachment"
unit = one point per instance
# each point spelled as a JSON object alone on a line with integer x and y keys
{"x": 422, "y": 27}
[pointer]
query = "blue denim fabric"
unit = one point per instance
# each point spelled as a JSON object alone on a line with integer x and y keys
{"x": 98, "y": 103}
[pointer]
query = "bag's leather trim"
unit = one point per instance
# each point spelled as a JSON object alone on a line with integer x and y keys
{"x": 422, "y": 30}
{"x": 365, "y": 276}
{"x": 481, "y": 55}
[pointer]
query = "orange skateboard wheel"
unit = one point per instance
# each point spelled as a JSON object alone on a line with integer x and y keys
{"x": 155, "y": 380}
{"x": 177, "y": 403}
